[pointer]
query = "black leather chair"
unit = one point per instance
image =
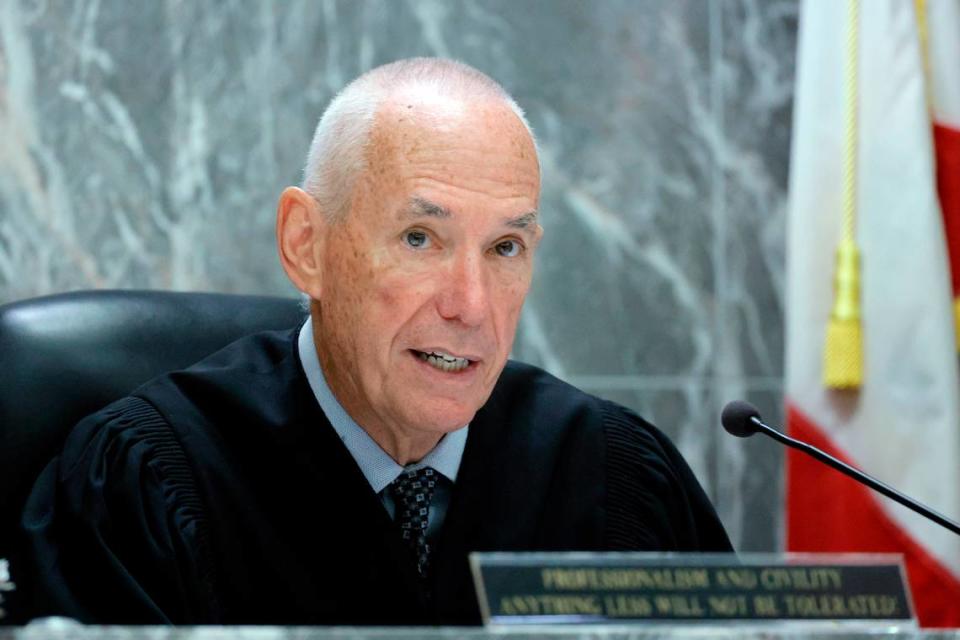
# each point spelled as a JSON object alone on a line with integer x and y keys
{"x": 64, "y": 356}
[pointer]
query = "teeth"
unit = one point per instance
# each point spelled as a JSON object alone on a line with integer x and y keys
{"x": 444, "y": 361}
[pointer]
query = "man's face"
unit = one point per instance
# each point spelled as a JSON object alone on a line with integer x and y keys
{"x": 424, "y": 281}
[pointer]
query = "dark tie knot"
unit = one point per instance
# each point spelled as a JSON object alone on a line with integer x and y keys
{"x": 413, "y": 489}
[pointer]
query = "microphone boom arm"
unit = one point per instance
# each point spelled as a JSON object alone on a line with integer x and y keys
{"x": 846, "y": 469}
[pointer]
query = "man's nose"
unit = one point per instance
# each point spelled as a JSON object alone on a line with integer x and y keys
{"x": 464, "y": 290}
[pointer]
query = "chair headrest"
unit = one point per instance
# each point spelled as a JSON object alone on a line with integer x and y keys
{"x": 65, "y": 356}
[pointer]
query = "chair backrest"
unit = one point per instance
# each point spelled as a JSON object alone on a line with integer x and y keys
{"x": 65, "y": 356}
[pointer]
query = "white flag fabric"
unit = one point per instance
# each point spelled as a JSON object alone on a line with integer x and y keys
{"x": 903, "y": 424}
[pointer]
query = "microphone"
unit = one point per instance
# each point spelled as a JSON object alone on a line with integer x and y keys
{"x": 742, "y": 419}
{"x": 737, "y": 418}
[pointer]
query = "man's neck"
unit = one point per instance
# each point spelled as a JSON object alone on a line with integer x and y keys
{"x": 443, "y": 452}
{"x": 405, "y": 447}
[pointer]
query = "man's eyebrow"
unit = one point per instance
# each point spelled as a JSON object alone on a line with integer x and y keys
{"x": 418, "y": 207}
{"x": 523, "y": 221}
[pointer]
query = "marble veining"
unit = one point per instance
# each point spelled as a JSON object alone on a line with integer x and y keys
{"x": 145, "y": 145}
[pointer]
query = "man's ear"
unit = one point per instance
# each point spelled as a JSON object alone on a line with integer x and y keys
{"x": 301, "y": 232}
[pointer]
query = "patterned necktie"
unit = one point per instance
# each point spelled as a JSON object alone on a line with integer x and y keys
{"x": 412, "y": 491}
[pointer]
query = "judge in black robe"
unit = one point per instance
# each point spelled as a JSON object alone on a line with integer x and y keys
{"x": 221, "y": 494}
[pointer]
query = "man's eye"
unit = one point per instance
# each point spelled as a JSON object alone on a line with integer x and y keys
{"x": 416, "y": 239}
{"x": 509, "y": 248}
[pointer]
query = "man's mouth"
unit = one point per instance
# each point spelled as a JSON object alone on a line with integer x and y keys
{"x": 443, "y": 360}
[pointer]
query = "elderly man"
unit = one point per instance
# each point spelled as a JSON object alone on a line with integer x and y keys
{"x": 342, "y": 472}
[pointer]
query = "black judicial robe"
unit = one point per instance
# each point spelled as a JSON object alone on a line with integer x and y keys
{"x": 221, "y": 494}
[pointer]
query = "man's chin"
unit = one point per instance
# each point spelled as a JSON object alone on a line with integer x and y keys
{"x": 443, "y": 418}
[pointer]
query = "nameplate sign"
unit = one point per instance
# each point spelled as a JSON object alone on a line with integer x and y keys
{"x": 547, "y": 588}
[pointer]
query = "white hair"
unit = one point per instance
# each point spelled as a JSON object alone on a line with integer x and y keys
{"x": 338, "y": 152}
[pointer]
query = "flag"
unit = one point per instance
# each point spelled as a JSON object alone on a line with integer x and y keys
{"x": 942, "y": 39}
{"x": 902, "y": 424}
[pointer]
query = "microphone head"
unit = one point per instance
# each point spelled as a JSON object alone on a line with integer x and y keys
{"x": 736, "y": 418}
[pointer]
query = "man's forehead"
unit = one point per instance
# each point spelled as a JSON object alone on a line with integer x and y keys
{"x": 402, "y": 123}
{"x": 479, "y": 155}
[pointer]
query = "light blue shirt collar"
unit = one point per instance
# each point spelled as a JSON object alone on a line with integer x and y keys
{"x": 377, "y": 466}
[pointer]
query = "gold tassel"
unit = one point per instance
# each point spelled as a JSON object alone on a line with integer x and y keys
{"x": 843, "y": 352}
{"x": 843, "y": 355}
{"x": 956, "y": 320}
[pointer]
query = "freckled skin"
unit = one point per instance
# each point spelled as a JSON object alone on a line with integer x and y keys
{"x": 383, "y": 297}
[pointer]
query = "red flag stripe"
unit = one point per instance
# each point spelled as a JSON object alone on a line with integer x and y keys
{"x": 830, "y": 513}
{"x": 947, "y": 143}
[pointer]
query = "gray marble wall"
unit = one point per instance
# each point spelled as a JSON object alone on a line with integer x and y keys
{"x": 143, "y": 144}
